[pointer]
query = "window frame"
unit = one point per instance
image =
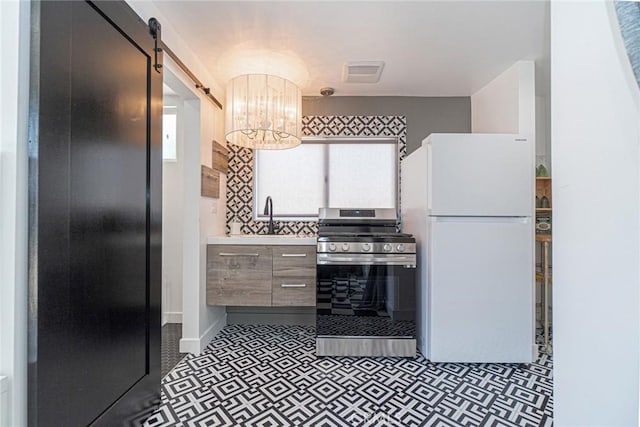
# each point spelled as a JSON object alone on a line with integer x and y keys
{"x": 258, "y": 215}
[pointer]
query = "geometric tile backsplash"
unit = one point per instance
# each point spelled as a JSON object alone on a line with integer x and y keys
{"x": 240, "y": 174}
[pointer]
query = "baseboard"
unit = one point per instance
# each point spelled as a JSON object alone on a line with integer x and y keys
{"x": 4, "y": 400}
{"x": 197, "y": 345}
{"x": 171, "y": 317}
{"x": 271, "y": 315}
{"x": 270, "y": 319}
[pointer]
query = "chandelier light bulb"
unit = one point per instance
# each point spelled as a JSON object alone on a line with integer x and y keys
{"x": 263, "y": 112}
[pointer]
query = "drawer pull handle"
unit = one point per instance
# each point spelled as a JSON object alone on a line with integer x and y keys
{"x": 294, "y": 255}
{"x": 293, "y": 285}
{"x": 238, "y": 254}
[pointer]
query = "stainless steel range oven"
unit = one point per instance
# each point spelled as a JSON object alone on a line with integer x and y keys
{"x": 366, "y": 285}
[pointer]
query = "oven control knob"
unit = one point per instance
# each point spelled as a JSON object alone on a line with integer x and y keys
{"x": 332, "y": 247}
{"x": 386, "y": 247}
{"x": 400, "y": 248}
{"x": 345, "y": 247}
{"x": 366, "y": 247}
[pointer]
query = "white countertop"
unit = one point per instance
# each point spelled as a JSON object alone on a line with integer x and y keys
{"x": 262, "y": 239}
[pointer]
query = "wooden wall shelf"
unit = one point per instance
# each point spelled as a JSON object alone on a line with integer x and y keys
{"x": 543, "y": 188}
{"x": 210, "y": 182}
{"x": 220, "y": 158}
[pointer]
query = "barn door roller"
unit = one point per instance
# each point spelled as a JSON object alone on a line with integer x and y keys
{"x": 155, "y": 30}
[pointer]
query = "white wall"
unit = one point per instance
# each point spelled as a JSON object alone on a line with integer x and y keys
{"x": 543, "y": 131}
{"x": 596, "y": 163}
{"x": 202, "y": 217}
{"x": 212, "y": 222}
{"x": 172, "y": 223}
{"x": 494, "y": 108}
{"x": 14, "y": 92}
{"x": 146, "y": 10}
{"x": 200, "y": 321}
{"x": 507, "y": 104}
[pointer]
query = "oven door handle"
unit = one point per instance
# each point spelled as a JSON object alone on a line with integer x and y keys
{"x": 404, "y": 260}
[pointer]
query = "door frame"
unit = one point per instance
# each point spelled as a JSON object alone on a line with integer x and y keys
{"x": 191, "y": 151}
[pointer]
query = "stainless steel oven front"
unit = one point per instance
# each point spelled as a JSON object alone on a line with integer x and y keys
{"x": 366, "y": 303}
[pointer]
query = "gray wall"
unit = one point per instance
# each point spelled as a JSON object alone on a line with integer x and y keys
{"x": 424, "y": 115}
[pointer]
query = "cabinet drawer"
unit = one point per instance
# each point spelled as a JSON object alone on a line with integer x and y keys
{"x": 239, "y": 275}
{"x": 294, "y": 261}
{"x": 294, "y": 291}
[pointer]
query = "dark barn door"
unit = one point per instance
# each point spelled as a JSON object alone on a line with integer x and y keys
{"x": 95, "y": 216}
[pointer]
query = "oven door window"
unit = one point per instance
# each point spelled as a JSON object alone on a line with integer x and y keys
{"x": 365, "y": 301}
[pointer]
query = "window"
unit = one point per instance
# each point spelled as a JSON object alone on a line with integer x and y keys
{"x": 293, "y": 178}
{"x": 169, "y": 129}
{"x": 335, "y": 172}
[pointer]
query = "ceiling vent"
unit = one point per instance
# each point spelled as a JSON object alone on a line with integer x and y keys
{"x": 362, "y": 72}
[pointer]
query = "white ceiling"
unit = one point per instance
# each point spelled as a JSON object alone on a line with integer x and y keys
{"x": 443, "y": 48}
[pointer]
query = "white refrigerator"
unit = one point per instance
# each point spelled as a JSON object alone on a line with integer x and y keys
{"x": 469, "y": 201}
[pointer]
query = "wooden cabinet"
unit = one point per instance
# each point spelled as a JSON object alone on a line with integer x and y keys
{"x": 294, "y": 276}
{"x": 239, "y": 275}
{"x": 261, "y": 275}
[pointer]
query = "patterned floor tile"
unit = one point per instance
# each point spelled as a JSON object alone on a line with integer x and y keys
{"x": 270, "y": 376}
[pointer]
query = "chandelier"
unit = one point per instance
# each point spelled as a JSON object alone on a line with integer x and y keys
{"x": 263, "y": 112}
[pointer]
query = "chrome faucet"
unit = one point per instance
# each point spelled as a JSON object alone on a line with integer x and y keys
{"x": 268, "y": 210}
